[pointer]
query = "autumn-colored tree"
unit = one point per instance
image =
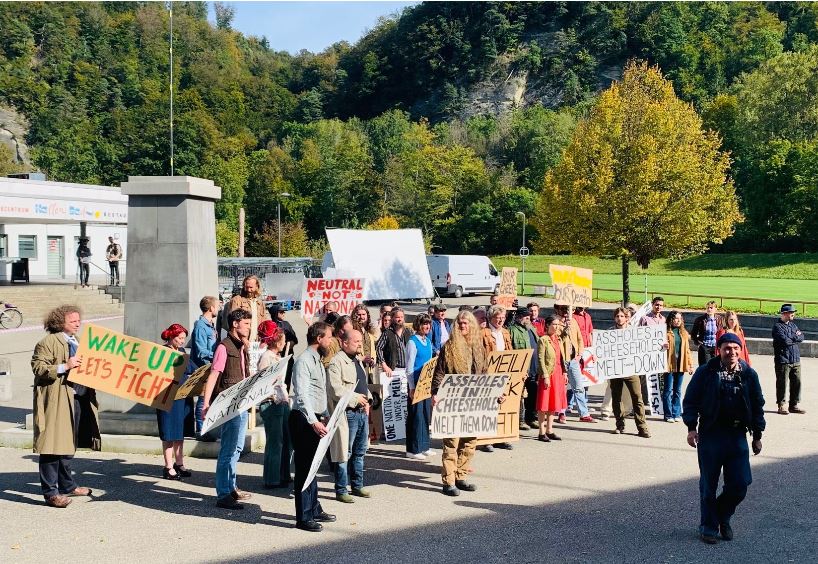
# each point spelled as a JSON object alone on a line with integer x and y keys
{"x": 382, "y": 223}
{"x": 294, "y": 242}
{"x": 641, "y": 179}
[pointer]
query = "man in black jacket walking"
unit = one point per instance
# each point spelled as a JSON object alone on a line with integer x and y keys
{"x": 722, "y": 403}
{"x": 786, "y": 337}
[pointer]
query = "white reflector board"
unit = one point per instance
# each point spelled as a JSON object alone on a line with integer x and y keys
{"x": 392, "y": 261}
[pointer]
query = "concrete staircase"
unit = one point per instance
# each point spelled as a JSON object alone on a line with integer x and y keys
{"x": 36, "y": 300}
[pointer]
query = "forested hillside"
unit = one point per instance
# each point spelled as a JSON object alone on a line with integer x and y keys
{"x": 393, "y": 128}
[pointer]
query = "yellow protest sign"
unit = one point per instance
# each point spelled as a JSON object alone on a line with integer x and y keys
{"x": 129, "y": 368}
{"x": 572, "y": 285}
{"x": 423, "y": 387}
{"x": 195, "y": 383}
{"x": 508, "y": 287}
{"x": 515, "y": 363}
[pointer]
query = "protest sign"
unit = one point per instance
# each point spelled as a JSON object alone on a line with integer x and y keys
{"x": 507, "y": 292}
{"x": 395, "y": 393}
{"x": 587, "y": 364}
{"x": 129, "y": 368}
{"x": 244, "y": 395}
{"x": 572, "y": 285}
{"x": 640, "y": 313}
{"x": 655, "y": 395}
{"x": 515, "y": 363}
{"x": 348, "y": 292}
{"x": 467, "y": 405}
{"x": 423, "y": 387}
{"x": 255, "y": 355}
{"x": 631, "y": 351}
{"x": 323, "y": 444}
{"x": 195, "y": 383}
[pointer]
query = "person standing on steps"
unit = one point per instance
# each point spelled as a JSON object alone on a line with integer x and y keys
{"x": 722, "y": 403}
{"x": 786, "y": 337}
{"x": 84, "y": 261}
{"x": 113, "y": 254}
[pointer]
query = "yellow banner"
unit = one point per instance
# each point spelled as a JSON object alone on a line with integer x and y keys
{"x": 129, "y": 368}
{"x": 572, "y": 285}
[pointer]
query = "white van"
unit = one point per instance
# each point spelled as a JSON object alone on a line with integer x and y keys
{"x": 457, "y": 275}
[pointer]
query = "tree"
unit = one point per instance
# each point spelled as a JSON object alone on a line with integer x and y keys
{"x": 640, "y": 179}
{"x": 294, "y": 241}
{"x": 224, "y": 15}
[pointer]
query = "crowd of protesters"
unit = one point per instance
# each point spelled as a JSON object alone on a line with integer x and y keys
{"x": 349, "y": 353}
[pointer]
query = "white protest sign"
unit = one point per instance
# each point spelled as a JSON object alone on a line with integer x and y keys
{"x": 630, "y": 351}
{"x": 323, "y": 444}
{"x": 255, "y": 355}
{"x": 348, "y": 292}
{"x": 394, "y": 406}
{"x": 244, "y": 395}
{"x": 467, "y": 405}
{"x": 590, "y": 375}
{"x": 654, "y": 395}
{"x": 640, "y": 313}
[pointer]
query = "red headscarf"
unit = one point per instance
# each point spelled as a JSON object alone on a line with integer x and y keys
{"x": 268, "y": 332}
{"x": 172, "y": 332}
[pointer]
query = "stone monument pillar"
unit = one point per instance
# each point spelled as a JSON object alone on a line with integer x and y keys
{"x": 171, "y": 258}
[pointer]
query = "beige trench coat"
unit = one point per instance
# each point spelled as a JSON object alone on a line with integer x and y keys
{"x": 54, "y": 403}
{"x": 341, "y": 377}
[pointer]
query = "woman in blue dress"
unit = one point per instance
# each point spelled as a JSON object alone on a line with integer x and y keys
{"x": 418, "y": 353}
{"x": 172, "y": 423}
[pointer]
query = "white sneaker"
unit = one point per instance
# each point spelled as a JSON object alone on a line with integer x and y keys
{"x": 416, "y": 456}
{"x": 430, "y": 452}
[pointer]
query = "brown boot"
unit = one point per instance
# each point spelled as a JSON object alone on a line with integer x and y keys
{"x": 80, "y": 491}
{"x": 796, "y": 409}
{"x": 59, "y": 501}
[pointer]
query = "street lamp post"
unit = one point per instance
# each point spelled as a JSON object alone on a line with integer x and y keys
{"x": 282, "y": 195}
{"x": 523, "y": 252}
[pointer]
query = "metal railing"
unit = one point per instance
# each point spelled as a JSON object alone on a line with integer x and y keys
{"x": 114, "y": 291}
{"x": 232, "y": 270}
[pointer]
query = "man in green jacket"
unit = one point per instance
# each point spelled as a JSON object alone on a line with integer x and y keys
{"x": 65, "y": 414}
{"x": 524, "y": 336}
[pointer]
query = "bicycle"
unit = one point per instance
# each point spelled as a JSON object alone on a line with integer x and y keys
{"x": 10, "y": 317}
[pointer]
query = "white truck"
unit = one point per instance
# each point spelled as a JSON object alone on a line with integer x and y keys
{"x": 456, "y": 275}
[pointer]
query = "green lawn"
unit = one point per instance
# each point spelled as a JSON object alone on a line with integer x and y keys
{"x": 794, "y": 266}
{"x": 778, "y": 278}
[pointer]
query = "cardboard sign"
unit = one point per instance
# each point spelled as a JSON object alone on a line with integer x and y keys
{"x": 195, "y": 383}
{"x": 423, "y": 387}
{"x": 631, "y": 351}
{"x": 508, "y": 287}
{"x": 255, "y": 355}
{"x": 655, "y": 395}
{"x": 572, "y": 285}
{"x": 129, "y": 368}
{"x": 243, "y": 395}
{"x": 323, "y": 444}
{"x": 515, "y": 363}
{"x": 348, "y": 292}
{"x": 394, "y": 406}
{"x": 467, "y": 405}
{"x": 640, "y": 313}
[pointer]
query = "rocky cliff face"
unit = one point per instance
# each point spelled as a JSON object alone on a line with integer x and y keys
{"x": 13, "y": 130}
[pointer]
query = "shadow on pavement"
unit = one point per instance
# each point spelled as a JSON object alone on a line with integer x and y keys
{"x": 778, "y": 522}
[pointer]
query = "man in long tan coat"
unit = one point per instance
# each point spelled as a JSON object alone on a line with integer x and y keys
{"x": 348, "y": 447}
{"x": 65, "y": 414}
{"x": 250, "y": 300}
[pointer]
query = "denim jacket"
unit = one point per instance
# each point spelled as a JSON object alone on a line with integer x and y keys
{"x": 202, "y": 343}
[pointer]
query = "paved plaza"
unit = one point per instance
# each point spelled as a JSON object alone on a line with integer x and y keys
{"x": 593, "y": 497}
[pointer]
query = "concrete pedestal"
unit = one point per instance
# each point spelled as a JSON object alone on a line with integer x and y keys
{"x": 171, "y": 258}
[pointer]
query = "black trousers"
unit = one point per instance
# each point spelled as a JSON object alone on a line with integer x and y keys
{"x": 85, "y": 270}
{"x": 529, "y": 406}
{"x": 55, "y": 469}
{"x": 304, "y": 441}
{"x": 791, "y": 373}
{"x": 705, "y": 354}
{"x": 114, "y": 266}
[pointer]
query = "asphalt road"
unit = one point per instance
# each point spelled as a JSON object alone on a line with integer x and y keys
{"x": 593, "y": 497}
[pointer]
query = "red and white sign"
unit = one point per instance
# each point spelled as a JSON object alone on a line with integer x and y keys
{"x": 348, "y": 292}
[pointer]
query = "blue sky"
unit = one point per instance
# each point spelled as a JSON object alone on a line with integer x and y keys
{"x": 292, "y": 26}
